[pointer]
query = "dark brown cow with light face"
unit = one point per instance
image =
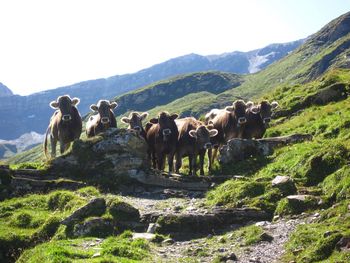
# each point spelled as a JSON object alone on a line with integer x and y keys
{"x": 104, "y": 118}
{"x": 161, "y": 136}
{"x": 65, "y": 124}
{"x": 258, "y": 119}
{"x": 194, "y": 140}
{"x": 229, "y": 123}
{"x": 135, "y": 122}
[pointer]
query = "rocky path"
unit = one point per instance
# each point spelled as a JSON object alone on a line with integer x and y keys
{"x": 221, "y": 245}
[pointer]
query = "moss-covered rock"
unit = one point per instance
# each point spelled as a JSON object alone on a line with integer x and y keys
{"x": 108, "y": 160}
{"x": 122, "y": 211}
{"x": 296, "y": 204}
{"x": 285, "y": 184}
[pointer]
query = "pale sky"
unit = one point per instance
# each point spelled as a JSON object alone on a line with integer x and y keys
{"x": 46, "y": 44}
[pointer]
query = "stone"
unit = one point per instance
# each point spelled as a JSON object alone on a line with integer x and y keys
{"x": 98, "y": 227}
{"x": 168, "y": 241}
{"x": 266, "y": 237}
{"x": 285, "y": 184}
{"x": 147, "y": 236}
{"x": 343, "y": 243}
{"x": 152, "y": 228}
{"x": 123, "y": 211}
{"x": 97, "y": 254}
{"x": 95, "y": 207}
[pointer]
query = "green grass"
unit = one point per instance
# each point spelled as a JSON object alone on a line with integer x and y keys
{"x": 113, "y": 249}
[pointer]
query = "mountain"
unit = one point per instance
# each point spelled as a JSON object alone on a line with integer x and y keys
{"x": 23, "y": 143}
{"x": 5, "y": 91}
{"x": 22, "y": 114}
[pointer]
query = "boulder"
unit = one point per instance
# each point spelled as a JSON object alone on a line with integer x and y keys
{"x": 123, "y": 211}
{"x": 239, "y": 149}
{"x": 95, "y": 207}
{"x": 285, "y": 184}
{"x": 296, "y": 204}
{"x": 109, "y": 159}
{"x": 96, "y": 227}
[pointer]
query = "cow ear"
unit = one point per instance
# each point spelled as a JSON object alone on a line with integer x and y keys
{"x": 153, "y": 120}
{"x": 93, "y": 107}
{"x": 213, "y": 132}
{"x": 255, "y": 110}
{"x": 274, "y": 104}
{"x": 249, "y": 104}
{"x": 144, "y": 116}
{"x": 113, "y": 105}
{"x": 230, "y": 108}
{"x": 75, "y": 101}
{"x": 54, "y": 104}
{"x": 125, "y": 120}
{"x": 174, "y": 116}
{"x": 193, "y": 133}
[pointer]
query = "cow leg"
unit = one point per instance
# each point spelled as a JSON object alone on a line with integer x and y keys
{"x": 201, "y": 162}
{"x": 178, "y": 163}
{"x": 171, "y": 161}
{"x": 160, "y": 160}
{"x": 53, "y": 142}
{"x": 215, "y": 153}
{"x": 67, "y": 145}
{"x": 190, "y": 164}
{"x": 210, "y": 159}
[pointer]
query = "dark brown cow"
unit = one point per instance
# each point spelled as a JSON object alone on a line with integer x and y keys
{"x": 103, "y": 120}
{"x": 161, "y": 136}
{"x": 194, "y": 139}
{"x": 135, "y": 122}
{"x": 258, "y": 119}
{"x": 65, "y": 124}
{"x": 229, "y": 123}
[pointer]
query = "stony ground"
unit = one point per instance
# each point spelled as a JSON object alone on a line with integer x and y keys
{"x": 222, "y": 247}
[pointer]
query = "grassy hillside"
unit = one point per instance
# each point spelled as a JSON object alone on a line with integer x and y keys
{"x": 319, "y": 168}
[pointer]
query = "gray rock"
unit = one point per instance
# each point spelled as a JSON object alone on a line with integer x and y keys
{"x": 95, "y": 207}
{"x": 124, "y": 212}
{"x": 285, "y": 184}
{"x": 147, "y": 236}
{"x": 168, "y": 241}
{"x": 152, "y": 228}
{"x": 98, "y": 227}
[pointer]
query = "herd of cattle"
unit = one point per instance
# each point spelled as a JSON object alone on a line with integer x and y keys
{"x": 167, "y": 136}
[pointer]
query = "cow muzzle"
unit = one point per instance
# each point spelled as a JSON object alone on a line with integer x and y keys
{"x": 105, "y": 120}
{"x": 137, "y": 128}
{"x": 66, "y": 117}
{"x": 242, "y": 120}
{"x": 208, "y": 145}
{"x": 166, "y": 132}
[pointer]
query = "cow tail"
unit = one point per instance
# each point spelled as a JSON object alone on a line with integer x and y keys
{"x": 45, "y": 141}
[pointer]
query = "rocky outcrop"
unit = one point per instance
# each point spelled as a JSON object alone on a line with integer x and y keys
{"x": 240, "y": 149}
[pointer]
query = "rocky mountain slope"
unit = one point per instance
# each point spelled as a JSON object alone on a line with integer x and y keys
{"x": 23, "y": 114}
{"x": 5, "y": 91}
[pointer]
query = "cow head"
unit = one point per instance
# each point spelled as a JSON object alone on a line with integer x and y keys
{"x": 135, "y": 120}
{"x": 65, "y": 104}
{"x": 103, "y": 108}
{"x": 238, "y": 109}
{"x": 202, "y": 135}
{"x": 265, "y": 110}
{"x": 166, "y": 124}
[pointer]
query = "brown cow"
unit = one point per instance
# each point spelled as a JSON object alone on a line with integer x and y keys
{"x": 103, "y": 120}
{"x": 230, "y": 124}
{"x": 194, "y": 139}
{"x": 161, "y": 136}
{"x": 65, "y": 124}
{"x": 135, "y": 122}
{"x": 258, "y": 119}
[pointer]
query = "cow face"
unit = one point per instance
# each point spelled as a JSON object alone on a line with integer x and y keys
{"x": 238, "y": 108}
{"x": 135, "y": 120}
{"x": 166, "y": 124}
{"x": 202, "y": 135}
{"x": 103, "y": 108}
{"x": 65, "y": 104}
{"x": 265, "y": 110}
